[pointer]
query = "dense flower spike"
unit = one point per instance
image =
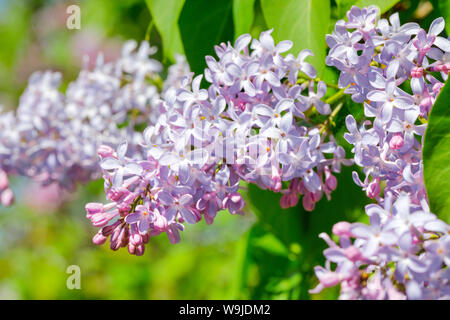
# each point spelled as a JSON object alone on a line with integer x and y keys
{"x": 257, "y": 115}
{"x": 252, "y": 123}
{"x": 54, "y": 137}
{"x": 404, "y": 252}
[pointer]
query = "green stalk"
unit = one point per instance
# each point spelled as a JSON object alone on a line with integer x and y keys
{"x": 336, "y": 97}
{"x": 304, "y": 79}
{"x": 330, "y": 120}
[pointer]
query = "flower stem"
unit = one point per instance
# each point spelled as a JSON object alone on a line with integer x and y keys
{"x": 303, "y": 79}
{"x": 330, "y": 120}
{"x": 336, "y": 97}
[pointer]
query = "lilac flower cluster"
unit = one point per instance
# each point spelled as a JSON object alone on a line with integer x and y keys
{"x": 8, "y": 143}
{"x": 251, "y": 124}
{"x": 405, "y": 251}
{"x": 54, "y": 137}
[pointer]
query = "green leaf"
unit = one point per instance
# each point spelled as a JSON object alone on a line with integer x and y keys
{"x": 270, "y": 243}
{"x": 204, "y": 24}
{"x": 165, "y": 15}
{"x": 243, "y": 16}
{"x": 384, "y": 5}
{"x": 267, "y": 263}
{"x": 444, "y": 10}
{"x": 304, "y": 22}
{"x": 436, "y": 155}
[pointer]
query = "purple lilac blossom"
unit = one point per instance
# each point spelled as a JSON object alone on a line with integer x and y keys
{"x": 404, "y": 252}
{"x": 248, "y": 124}
{"x": 55, "y": 138}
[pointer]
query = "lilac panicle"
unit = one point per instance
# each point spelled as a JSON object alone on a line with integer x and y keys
{"x": 54, "y": 137}
{"x": 404, "y": 252}
{"x": 250, "y": 123}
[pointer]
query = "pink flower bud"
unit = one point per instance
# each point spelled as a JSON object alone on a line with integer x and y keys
{"x": 160, "y": 223}
{"x": 114, "y": 245}
{"x": 396, "y": 142}
{"x": 123, "y": 208}
{"x": 140, "y": 249}
{"x": 137, "y": 250}
{"x": 437, "y": 87}
{"x": 93, "y": 208}
{"x": 145, "y": 238}
{"x": 101, "y": 219}
{"x": 276, "y": 178}
{"x": 123, "y": 237}
{"x": 108, "y": 230}
{"x": 301, "y": 189}
{"x": 289, "y": 200}
{"x": 99, "y": 238}
{"x": 373, "y": 190}
{"x": 117, "y": 194}
{"x": 316, "y": 196}
{"x": 342, "y": 229}
{"x": 240, "y": 104}
{"x": 417, "y": 72}
{"x": 446, "y": 68}
{"x": 131, "y": 248}
{"x": 353, "y": 253}
{"x": 308, "y": 201}
{"x": 129, "y": 199}
{"x": 7, "y": 197}
{"x": 330, "y": 180}
{"x": 135, "y": 239}
{"x": 105, "y": 151}
{"x": 425, "y": 105}
{"x": 293, "y": 185}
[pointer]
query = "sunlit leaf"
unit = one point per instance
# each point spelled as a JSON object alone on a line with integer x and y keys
{"x": 243, "y": 16}
{"x": 304, "y": 22}
{"x": 165, "y": 15}
{"x": 436, "y": 155}
{"x": 204, "y": 24}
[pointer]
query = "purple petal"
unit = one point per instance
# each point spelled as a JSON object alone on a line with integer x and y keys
{"x": 132, "y": 218}
{"x": 143, "y": 225}
{"x": 122, "y": 150}
{"x": 376, "y": 95}
{"x": 351, "y": 124}
{"x": 284, "y": 46}
{"x": 437, "y": 26}
{"x": 361, "y": 230}
{"x": 386, "y": 113}
{"x": 188, "y": 215}
{"x": 185, "y": 199}
{"x": 133, "y": 168}
{"x": 110, "y": 164}
{"x": 242, "y": 42}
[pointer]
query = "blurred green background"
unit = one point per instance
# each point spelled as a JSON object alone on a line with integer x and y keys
{"x": 267, "y": 254}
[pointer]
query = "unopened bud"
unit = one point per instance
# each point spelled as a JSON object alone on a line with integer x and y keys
{"x": 373, "y": 190}
{"x": 7, "y": 197}
{"x": 342, "y": 229}
{"x": 396, "y": 142}
{"x": 105, "y": 151}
